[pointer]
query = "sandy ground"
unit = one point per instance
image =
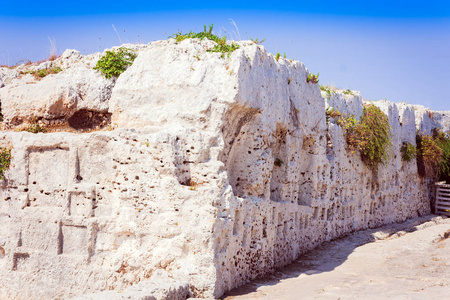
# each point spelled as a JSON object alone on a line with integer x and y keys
{"x": 398, "y": 261}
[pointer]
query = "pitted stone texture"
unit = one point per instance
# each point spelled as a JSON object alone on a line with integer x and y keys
{"x": 221, "y": 171}
{"x": 175, "y": 85}
{"x": 7, "y": 75}
{"x": 348, "y": 104}
{"x": 427, "y": 120}
{"x": 56, "y": 96}
{"x": 159, "y": 287}
{"x": 106, "y": 212}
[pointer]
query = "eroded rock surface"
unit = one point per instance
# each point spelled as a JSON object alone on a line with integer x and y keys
{"x": 218, "y": 171}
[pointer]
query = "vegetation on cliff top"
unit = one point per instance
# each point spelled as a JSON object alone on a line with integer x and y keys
{"x": 370, "y": 136}
{"x": 114, "y": 63}
{"x": 221, "y": 47}
{"x": 313, "y": 78}
{"x": 43, "y": 72}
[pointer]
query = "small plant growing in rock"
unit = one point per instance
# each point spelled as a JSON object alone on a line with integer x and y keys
{"x": 348, "y": 92}
{"x": 326, "y": 89}
{"x": 193, "y": 185}
{"x": 256, "y": 41}
{"x": 224, "y": 48}
{"x": 35, "y": 128}
{"x": 114, "y": 63}
{"x": 221, "y": 47}
{"x": 313, "y": 78}
{"x": 5, "y": 161}
{"x": 43, "y": 72}
{"x": 370, "y": 136}
{"x": 408, "y": 151}
{"x": 277, "y": 57}
{"x": 331, "y": 112}
{"x": 308, "y": 141}
{"x": 278, "y": 162}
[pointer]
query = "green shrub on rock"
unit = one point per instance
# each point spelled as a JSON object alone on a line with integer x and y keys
{"x": 221, "y": 47}
{"x": 114, "y": 63}
{"x": 373, "y": 135}
{"x": 408, "y": 151}
{"x": 434, "y": 155}
{"x": 370, "y": 136}
{"x": 5, "y": 161}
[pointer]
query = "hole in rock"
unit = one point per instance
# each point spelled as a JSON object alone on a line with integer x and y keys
{"x": 87, "y": 119}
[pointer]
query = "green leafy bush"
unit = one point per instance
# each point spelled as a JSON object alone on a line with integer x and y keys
{"x": 429, "y": 156}
{"x": 370, "y": 136}
{"x": 5, "y": 161}
{"x": 221, "y": 47}
{"x": 313, "y": 78}
{"x": 433, "y": 159}
{"x": 444, "y": 164}
{"x": 373, "y": 136}
{"x": 408, "y": 151}
{"x": 114, "y": 63}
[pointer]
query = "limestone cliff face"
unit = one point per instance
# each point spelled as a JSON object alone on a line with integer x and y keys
{"x": 218, "y": 171}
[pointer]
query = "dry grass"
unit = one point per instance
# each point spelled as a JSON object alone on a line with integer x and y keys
{"x": 54, "y": 127}
{"x": 28, "y": 62}
{"x": 53, "y": 57}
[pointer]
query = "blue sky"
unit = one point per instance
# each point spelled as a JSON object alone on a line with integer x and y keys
{"x": 395, "y": 50}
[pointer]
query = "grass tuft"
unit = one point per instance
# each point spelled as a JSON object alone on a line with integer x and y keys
{"x": 5, "y": 161}
{"x": 221, "y": 47}
{"x": 313, "y": 78}
{"x": 277, "y": 56}
{"x": 35, "y": 128}
{"x": 408, "y": 151}
{"x": 256, "y": 41}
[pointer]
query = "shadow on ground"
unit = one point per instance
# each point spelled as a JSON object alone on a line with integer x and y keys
{"x": 330, "y": 255}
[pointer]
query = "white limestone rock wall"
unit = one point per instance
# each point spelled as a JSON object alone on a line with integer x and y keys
{"x": 56, "y": 97}
{"x": 100, "y": 211}
{"x": 220, "y": 171}
{"x": 273, "y": 213}
{"x": 427, "y": 120}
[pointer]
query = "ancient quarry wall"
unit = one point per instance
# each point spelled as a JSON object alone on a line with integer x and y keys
{"x": 213, "y": 171}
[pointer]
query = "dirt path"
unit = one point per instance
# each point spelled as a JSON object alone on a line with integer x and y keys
{"x": 399, "y": 261}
